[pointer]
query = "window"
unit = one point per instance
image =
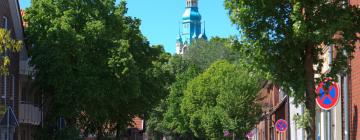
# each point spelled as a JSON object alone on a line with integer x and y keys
{"x": 24, "y": 97}
{"x": 281, "y": 95}
{"x": 4, "y": 22}
{"x": 186, "y": 25}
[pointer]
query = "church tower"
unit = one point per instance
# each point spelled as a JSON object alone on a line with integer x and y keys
{"x": 191, "y": 27}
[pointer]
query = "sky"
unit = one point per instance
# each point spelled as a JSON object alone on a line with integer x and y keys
{"x": 161, "y": 18}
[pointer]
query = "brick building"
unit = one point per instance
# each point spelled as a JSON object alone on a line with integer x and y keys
{"x": 354, "y": 88}
{"x": 10, "y": 20}
{"x": 343, "y": 119}
{"x": 136, "y": 131}
{"x": 354, "y": 96}
{"x": 16, "y": 89}
{"x": 275, "y": 106}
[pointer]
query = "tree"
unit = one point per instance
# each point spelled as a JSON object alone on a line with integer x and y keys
{"x": 7, "y": 44}
{"x": 167, "y": 119}
{"x": 203, "y": 53}
{"x": 94, "y": 65}
{"x": 219, "y": 99}
{"x": 284, "y": 38}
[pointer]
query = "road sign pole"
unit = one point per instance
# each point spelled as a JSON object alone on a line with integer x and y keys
{"x": 328, "y": 98}
{"x": 329, "y": 124}
{"x": 7, "y": 126}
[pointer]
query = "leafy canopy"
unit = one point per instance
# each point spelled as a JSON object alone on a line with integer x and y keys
{"x": 94, "y": 65}
{"x": 167, "y": 119}
{"x": 219, "y": 99}
{"x": 279, "y": 33}
{"x": 7, "y": 43}
{"x": 285, "y": 38}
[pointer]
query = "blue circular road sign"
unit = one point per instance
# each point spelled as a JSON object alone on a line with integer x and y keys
{"x": 281, "y": 125}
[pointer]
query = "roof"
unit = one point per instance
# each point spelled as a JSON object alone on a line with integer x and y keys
{"x": 191, "y": 13}
{"x": 203, "y": 36}
{"x": 9, "y": 118}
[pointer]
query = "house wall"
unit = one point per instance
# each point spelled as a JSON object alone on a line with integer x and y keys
{"x": 275, "y": 106}
{"x": 354, "y": 2}
{"x": 295, "y": 132}
{"x": 354, "y": 94}
{"x": 10, "y": 10}
{"x": 12, "y": 79}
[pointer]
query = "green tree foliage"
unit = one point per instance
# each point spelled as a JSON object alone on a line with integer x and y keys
{"x": 284, "y": 38}
{"x": 174, "y": 119}
{"x": 168, "y": 119}
{"x": 203, "y": 53}
{"x": 7, "y": 44}
{"x": 219, "y": 99}
{"x": 94, "y": 65}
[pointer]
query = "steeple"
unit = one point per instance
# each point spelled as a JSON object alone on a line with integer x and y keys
{"x": 194, "y": 36}
{"x": 191, "y": 21}
{"x": 179, "y": 39}
{"x": 191, "y": 27}
{"x": 191, "y": 3}
{"x": 179, "y": 44}
{"x": 203, "y": 34}
{"x": 204, "y": 28}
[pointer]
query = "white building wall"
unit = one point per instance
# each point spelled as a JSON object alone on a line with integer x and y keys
{"x": 295, "y": 133}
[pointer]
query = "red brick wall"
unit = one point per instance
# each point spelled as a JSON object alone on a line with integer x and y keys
{"x": 354, "y": 97}
{"x": 281, "y": 113}
{"x": 269, "y": 99}
{"x": 261, "y": 129}
{"x": 275, "y": 96}
{"x": 138, "y": 123}
{"x": 354, "y": 2}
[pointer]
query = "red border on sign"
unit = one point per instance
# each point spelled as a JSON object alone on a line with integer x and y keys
{"x": 336, "y": 98}
{"x": 281, "y": 120}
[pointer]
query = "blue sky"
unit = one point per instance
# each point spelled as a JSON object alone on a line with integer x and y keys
{"x": 160, "y": 19}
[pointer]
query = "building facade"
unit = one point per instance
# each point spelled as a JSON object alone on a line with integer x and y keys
{"x": 9, "y": 87}
{"x": 191, "y": 27}
{"x": 16, "y": 89}
{"x": 136, "y": 130}
{"x": 330, "y": 123}
{"x": 275, "y": 106}
{"x": 339, "y": 123}
{"x": 354, "y": 90}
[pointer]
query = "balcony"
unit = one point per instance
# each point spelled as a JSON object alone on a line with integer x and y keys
{"x": 29, "y": 114}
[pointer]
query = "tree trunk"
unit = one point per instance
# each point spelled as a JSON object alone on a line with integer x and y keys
{"x": 118, "y": 132}
{"x": 100, "y": 134}
{"x": 310, "y": 90}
